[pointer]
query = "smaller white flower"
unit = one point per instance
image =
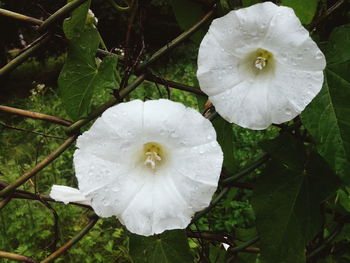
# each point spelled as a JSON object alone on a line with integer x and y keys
{"x": 152, "y": 164}
{"x": 259, "y": 66}
{"x": 91, "y": 17}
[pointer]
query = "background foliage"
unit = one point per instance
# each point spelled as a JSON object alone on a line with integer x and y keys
{"x": 284, "y": 194}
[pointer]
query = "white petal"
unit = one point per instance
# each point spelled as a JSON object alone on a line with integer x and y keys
{"x": 290, "y": 42}
{"x": 67, "y": 195}
{"x": 148, "y": 201}
{"x": 244, "y": 95}
{"x": 241, "y": 30}
{"x": 245, "y": 104}
{"x": 291, "y": 91}
{"x": 125, "y": 119}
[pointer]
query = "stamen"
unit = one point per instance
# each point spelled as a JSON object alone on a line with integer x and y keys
{"x": 260, "y": 63}
{"x": 152, "y": 159}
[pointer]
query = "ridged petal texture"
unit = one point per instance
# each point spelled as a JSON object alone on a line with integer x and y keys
{"x": 244, "y": 96}
{"x": 111, "y": 172}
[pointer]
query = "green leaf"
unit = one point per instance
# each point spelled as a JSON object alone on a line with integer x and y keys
{"x": 245, "y": 258}
{"x": 81, "y": 75}
{"x": 169, "y": 247}
{"x": 327, "y": 118}
{"x": 246, "y": 3}
{"x": 287, "y": 199}
{"x": 305, "y": 10}
{"x": 187, "y": 13}
{"x": 224, "y": 133}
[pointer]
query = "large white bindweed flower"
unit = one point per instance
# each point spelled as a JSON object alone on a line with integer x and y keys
{"x": 152, "y": 164}
{"x": 259, "y": 66}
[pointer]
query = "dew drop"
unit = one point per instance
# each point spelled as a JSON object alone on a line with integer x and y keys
{"x": 319, "y": 55}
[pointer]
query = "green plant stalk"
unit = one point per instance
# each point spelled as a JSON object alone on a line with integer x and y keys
{"x": 4, "y": 202}
{"x": 117, "y": 7}
{"x": 245, "y": 245}
{"x": 212, "y": 204}
{"x": 175, "y": 42}
{"x": 175, "y": 85}
{"x": 246, "y": 170}
{"x": 20, "y": 17}
{"x": 71, "y": 242}
{"x": 17, "y": 257}
{"x": 60, "y": 14}
{"x": 21, "y": 194}
{"x": 41, "y": 165}
{"x": 35, "y": 115}
{"x": 122, "y": 94}
{"x": 24, "y": 56}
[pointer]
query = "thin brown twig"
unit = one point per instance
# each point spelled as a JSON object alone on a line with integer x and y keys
{"x": 29, "y": 131}
{"x": 71, "y": 242}
{"x": 60, "y": 14}
{"x": 5, "y": 202}
{"x": 16, "y": 257}
{"x": 35, "y": 115}
{"x": 37, "y": 168}
{"x": 122, "y": 94}
{"x": 21, "y": 194}
{"x": 27, "y": 52}
{"x": 325, "y": 14}
{"x": 176, "y": 85}
{"x": 218, "y": 237}
{"x": 20, "y": 17}
{"x": 175, "y": 42}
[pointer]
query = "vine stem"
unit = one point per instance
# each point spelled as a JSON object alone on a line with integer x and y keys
{"x": 21, "y": 194}
{"x": 17, "y": 257}
{"x": 35, "y": 115}
{"x": 246, "y": 170}
{"x": 176, "y": 85}
{"x": 32, "y": 48}
{"x": 122, "y": 94}
{"x": 20, "y": 17}
{"x": 60, "y": 14}
{"x": 218, "y": 237}
{"x": 325, "y": 14}
{"x": 175, "y": 42}
{"x": 71, "y": 242}
{"x": 212, "y": 204}
{"x": 29, "y": 131}
{"x": 41, "y": 165}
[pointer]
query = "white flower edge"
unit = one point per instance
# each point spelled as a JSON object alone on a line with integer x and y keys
{"x": 145, "y": 200}
{"x": 67, "y": 195}
{"x": 257, "y": 103}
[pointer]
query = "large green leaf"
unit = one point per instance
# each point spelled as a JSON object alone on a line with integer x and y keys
{"x": 187, "y": 13}
{"x": 305, "y": 10}
{"x": 169, "y": 247}
{"x": 224, "y": 134}
{"x": 287, "y": 199}
{"x": 327, "y": 118}
{"x": 81, "y": 75}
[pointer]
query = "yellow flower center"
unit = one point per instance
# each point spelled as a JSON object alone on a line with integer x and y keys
{"x": 153, "y": 154}
{"x": 262, "y": 58}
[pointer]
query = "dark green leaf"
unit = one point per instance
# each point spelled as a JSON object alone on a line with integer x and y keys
{"x": 287, "y": 200}
{"x": 217, "y": 254}
{"x": 169, "y": 247}
{"x": 246, "y": 3}
{"x": 305, "y": 10}
{"x": 224, "y": 134}
{"x": 246, "y": 258}
{"x": 81, "y": 75}
{"x": 327, "y": 118}
{"x": 188, "y": 13}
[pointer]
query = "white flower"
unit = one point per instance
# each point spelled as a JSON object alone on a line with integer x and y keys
{"x": 152, "y": 164}
{"x": 259, "y": 66}
{"x": 91, "y": 17}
